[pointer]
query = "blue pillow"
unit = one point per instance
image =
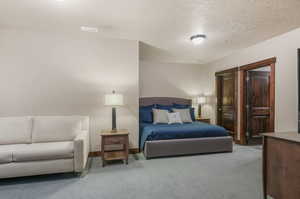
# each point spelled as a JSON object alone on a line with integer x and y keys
{"x": 181, "y": 106}
{"x": 146, "y": 113}
{"x": 165, "y": 107}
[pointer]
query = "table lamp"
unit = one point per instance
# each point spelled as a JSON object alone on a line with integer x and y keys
{"x": 114, "y": 100}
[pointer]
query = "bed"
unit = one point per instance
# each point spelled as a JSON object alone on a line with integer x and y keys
{"x": 160, "y": 140}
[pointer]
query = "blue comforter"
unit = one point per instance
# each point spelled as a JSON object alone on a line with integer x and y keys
{"x": 150, "y": 131}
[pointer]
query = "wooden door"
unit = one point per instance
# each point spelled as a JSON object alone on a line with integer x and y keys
{"x": 226, "y": 96}
{"x": 258, "y": 107}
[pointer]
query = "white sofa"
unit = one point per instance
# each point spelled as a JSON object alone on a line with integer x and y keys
{"x": 43, "y": 145}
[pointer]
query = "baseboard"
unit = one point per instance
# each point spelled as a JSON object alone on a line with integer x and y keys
{"x": 134, "y": 150}
{"x": 238, "y": 142}
{"x": 98, "y": 153}
{"x": 95, "y": 154}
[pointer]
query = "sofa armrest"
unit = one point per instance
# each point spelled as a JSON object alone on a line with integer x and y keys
{"x": 81, "y": 150}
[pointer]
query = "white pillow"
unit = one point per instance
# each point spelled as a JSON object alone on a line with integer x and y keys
{"x": 174, "y": 118}
{"x": 160, "y": 116}
{"x": 185, "y": 114}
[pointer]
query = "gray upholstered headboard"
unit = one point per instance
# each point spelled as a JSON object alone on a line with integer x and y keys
{"x": 146, "y": 101}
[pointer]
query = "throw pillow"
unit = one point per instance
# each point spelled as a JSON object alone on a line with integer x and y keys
{"x": 185, "y": 114}
{"x": 165, "y": 107}
{"x": 160, "y": 116}
{"x": 174, "y": 118}
{"x": 146, "y": 114}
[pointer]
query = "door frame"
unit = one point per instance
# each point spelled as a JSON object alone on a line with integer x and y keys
{"x": 217, "y": 76}
{"x": 242, "y": 97}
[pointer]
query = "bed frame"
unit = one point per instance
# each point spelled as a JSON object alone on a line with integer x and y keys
{"x": 174, "y": 147}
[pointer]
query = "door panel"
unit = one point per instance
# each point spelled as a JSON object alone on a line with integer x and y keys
{"x": 226, "y": 96}
{"x": 259, "y": 125}
{"x": 228, "y": 90}
{"x": 258, "y": 103}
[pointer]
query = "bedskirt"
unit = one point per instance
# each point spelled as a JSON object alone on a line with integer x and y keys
{"x": 174, "y": 147}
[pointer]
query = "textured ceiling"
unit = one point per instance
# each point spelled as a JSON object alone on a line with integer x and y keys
{"x": 164, "y": 26}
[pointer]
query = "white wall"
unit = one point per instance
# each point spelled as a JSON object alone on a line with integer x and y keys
{"x": 65, "y": 74}
{"x": 283, "y": 47}
{"x": 173, "y": 80}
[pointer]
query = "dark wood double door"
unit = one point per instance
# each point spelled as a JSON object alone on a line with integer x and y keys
{"x": 258, "y": 109}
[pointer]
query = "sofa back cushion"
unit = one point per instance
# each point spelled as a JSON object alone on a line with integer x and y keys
{"x": 15, "y": 130}
{"x": 55, "y": 128}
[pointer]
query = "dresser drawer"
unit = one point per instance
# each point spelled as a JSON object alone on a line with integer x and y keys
{"x": 115, "y": 139}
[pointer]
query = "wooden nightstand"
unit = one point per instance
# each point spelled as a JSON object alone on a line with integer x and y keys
{"x": 205, "y": 120}
{"x": 119, "y": 137}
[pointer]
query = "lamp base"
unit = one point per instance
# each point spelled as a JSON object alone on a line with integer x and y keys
{"x": 199, "y": 111}
{"x": 114, "y": 131}
{"x": 114, "y": 122}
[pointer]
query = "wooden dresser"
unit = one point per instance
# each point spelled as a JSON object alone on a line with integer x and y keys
{"x": 281, "y": 165}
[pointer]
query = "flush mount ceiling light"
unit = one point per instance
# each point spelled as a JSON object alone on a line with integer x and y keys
{"x": 88, "y": 29}
{"x": 197, "y": 39}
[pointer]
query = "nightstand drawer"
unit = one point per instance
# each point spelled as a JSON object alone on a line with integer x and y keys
{"x": 115, "y": 139}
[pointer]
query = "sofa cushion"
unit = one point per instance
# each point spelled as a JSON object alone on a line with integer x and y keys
{"x": 15, "y": 130}
{"x": 55, "y": 128}
{"x": 6, "y": 153}
{"x": 43, "y": 151}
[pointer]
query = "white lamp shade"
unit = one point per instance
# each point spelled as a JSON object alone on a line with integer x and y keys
{"x": 201, "y": 100}
{"x": 114, "y": 100}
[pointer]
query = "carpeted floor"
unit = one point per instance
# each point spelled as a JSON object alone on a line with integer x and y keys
{"x": 234, "y": 175}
